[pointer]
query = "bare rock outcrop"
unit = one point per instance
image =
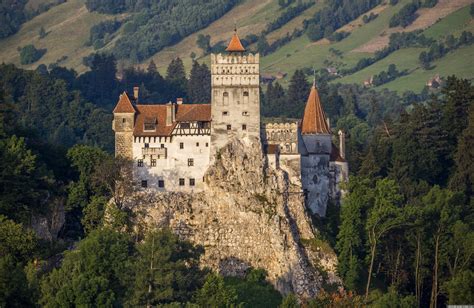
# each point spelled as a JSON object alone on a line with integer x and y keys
{"x": 248, "y": 216}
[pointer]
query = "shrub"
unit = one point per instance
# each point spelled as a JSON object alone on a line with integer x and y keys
{"x": 29, "y": 54}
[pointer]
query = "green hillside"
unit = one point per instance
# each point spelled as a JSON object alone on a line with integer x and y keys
{"x": 68, "y": 26}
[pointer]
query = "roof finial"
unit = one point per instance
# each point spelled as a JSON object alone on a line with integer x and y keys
{"x": 314, "y": 77}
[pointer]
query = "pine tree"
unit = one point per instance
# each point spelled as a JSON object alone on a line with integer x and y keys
{"x": 199, "y": 84}
{"x": 176, "y": 76}
{"x": 152, "y": 69}
{"x": 463, "y": 177}
{"x": 298, "y": 92}
{"x": 350, "y": 244}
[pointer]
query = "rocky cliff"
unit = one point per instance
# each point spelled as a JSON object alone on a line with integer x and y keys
{"x": 250, "y": 215}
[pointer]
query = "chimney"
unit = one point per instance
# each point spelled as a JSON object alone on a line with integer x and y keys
{"x": 135, "y": 92}
{"x": 342, "y": 144}
{"x": 170, "y": 113}
{"x": 179, "y": 101}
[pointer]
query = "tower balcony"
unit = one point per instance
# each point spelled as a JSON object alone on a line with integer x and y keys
{"x": 161, "y": 152}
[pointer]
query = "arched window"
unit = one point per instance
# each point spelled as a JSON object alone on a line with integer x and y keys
{"x": 246, "y": 97}
{"x": 225, "y": 98}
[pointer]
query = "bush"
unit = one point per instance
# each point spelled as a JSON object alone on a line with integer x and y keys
{"x": 29, "y": 54}
{"x": 405, "y": 16}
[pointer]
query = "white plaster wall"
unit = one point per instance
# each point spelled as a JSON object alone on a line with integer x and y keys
{"x": 175, "y": 165}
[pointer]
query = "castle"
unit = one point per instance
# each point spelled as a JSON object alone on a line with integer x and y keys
{"x": 172, "y": 145}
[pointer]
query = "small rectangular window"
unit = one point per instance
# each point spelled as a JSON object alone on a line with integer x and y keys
{"x": 244, "y": 127}
{"x": 197, "y": 144}
{"x": 190, "y": 162}
{"x": 140, "y": 163}
{"x": 181, "y": 145}
{"x": 153, "y": 162}
{"x": 161, "y": 183}
{"x": 144, "y": 183}
{"x": 192, "y": 182}
{"x": 225, "y": 113}
{"x": 229, "y": 127}
{"x": 181, "y": 182}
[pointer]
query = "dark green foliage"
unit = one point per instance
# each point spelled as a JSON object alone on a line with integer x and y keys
{"x": 386, "y": 76}
{"x": 44, "y": 106}
{"x": 204, "y": 42}
{"x": 298, "y": 92}
{"x": 199, "y": 84}
{"x": 254, "y": 290}
{"x": 290, "y": 301}
{"x": 97, "y": 273}
{"x": 106, "y": 6}
{"x": 100, "y": 84}
{"x": 42, "y": 33}
{"x": 338, "y": 36}
{"x": 460, "y": 288}
{"x": 13, "y": 284}
{"x": 440, "y": 49}
{"x": 350, "y": 240}
{"x": 29, "y": 54}
{"x": 405, "y": 16}
{"x": 368, "y": 18}
{"x": 215, "y": 293}
{"x": 392, "y": 299}
{"x": 335, "y": 15}
{"x": 101, "y": 33}
{"x": 285, "y": 3}
{"x": 288, "y": 15}
{"x": 12, "y": 15}
{"x": 166, "y": 270}
{"x": 16, "y": 247}
{"x": 176, "y": 77}
{"x": 155, "y": 25}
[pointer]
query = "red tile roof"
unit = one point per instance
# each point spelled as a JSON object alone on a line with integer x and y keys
{"x": 235, "y": 45}
{"x": 314, "y": 119}
{"x": 184, "y": 113}
{"x": 124, "y": 104}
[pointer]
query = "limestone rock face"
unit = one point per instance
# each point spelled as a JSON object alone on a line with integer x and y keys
{"x": 48, "y": 225}
{"x": 247, "y": 216}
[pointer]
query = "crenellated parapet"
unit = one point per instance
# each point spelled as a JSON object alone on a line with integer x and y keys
{"x": 235, "y": 70}
{"x": 283, "y": 134}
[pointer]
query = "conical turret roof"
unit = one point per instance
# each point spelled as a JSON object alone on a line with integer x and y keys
{"x": 314, "y": 119}
{"x": 124, "y": 105}
{"x": 235, "y": 45}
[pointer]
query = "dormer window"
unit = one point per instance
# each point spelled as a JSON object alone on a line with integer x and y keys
{"x": 150, "y": 124}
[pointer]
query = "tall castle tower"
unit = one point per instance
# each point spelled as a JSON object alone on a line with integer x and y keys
{"x": 315, "y": 154}
{"x": 123, "y": 124}
{"x": 235, "y": 97}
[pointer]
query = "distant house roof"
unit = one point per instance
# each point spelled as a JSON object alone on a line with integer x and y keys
{"x": 314, "y": 119}
{"x": 124, "y": 104}
{"x": 235, "y": 45}
{"x": 184, "y": 113}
